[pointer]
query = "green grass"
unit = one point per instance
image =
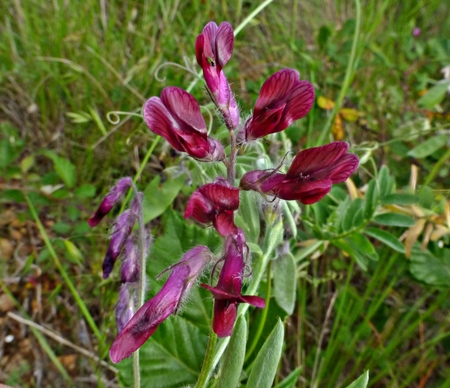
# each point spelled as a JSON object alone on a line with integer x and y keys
{"x": 64, "y": 65}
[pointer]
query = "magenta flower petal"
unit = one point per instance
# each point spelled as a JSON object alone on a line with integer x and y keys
{"x": 310, "y": 177}
{"x": 147, "y": 319}
{"x": 324, "y": 161}
{"x": 176, "y": 116}
{"x": 215, "y": 203}
{"x": 283, "y": 99}
{"x": 110, "y": 200}
{"x": 184, "y": 108}
{"x": 227, "y": 292}
{"x": 213, "y": 49}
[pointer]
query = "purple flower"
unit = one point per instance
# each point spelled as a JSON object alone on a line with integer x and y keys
{"x": 310, "y": 176}
{"x": 227, "y": 293}
{"x": 121, "y": 232}
{"x": 125, "y": 306}
{"x": 213, "y": 49}
{"x": 416, "y": 32}
{"x": 129, "y": 279}
{"x": 167, "y": 301}
{"x": 110, "y": 200}
{"x": 216, "y": 203}
{"x": 283, "y": 99}
{"x": 176, "y": 117}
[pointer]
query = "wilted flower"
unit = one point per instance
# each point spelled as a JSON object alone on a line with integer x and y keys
{"x": 283, "y": 99}
{"x": 110, "y": 200}
{"x": 310, "y": 177}
{"x": 129, "y": 279}
{"x": 121, "y": 231}
{"x": 213, "y": 49}
{"x": 227, "y": 293}
{"x": 216, "y": 203}
{"x": 167, "y": 301}
{"x": 176, "y": 116}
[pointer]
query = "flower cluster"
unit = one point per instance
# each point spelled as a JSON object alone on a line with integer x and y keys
{"x": 123, "y": 242}
{"x": 176, "y": 116}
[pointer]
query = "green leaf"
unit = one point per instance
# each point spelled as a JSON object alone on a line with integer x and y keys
{"x": 394, "y": 219}
{"x": 285, "y": 282}
{"x": 159, "y": 196}
{"x": 61, "y": 227}
{"x": 386, "y": 183}
{"x": 310, "y": 249}
{"x": 386, "y": 238}
{"x": 247, "y": 217}
{"x": 345, "y": 246}
{"x": 361, "y": 382}
{"x": 64, "y": 168}
{"x": 234, "y": 356}
{"x": 353, "y": 216}
{"x": 266, "y": 362}
{"x": 84, "y": 191}
{"x": 362, "y": 244}
{"x": 274, "y": 237}
{"x": 73, "y": 253}
{"x": 428, "y": 147}
{"x": 291, "y": 380}
{"x": 434, "y": 96}
{"x": 430, "y": 269}
{"x": 289, "y": 218}
{"x": 172, "y": 357}
{"x": 400, "y": 199}
{"x": 371, "y": 199}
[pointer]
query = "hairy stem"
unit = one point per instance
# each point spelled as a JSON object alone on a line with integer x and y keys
{"x": 207, "y": 366}
{"x": 143, "y": 253}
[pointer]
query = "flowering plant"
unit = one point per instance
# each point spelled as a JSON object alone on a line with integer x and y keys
{"x": 176, "y": 116}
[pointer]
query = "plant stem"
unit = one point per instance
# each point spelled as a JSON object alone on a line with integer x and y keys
{"x": 207, "y": 366}
{"x": 231, "y": 167}
{"x": 87, "y": 315}
{"x": 349, "y": 74}
{"x": 264, "y": 313}
{"x": 139, "y": 172}
{"x": 143, "y": 253}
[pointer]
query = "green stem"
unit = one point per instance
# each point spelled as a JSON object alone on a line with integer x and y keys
{"x": 437, "y": 167}
{"x": 63, "y": 272}
{"x": 139, "y": 172}
{"x": 349, "y": 74}
{"x": 264, "y": 314}
{"x": 207, "y": 366}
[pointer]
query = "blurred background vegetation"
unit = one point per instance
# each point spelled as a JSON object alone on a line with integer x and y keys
{"x": 66, "y": 65}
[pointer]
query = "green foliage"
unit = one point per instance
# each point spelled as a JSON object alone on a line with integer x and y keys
{"x": 159, "y": 196}
{"x": 285, "y": 282}
{"x": 169, "y": 363}
{"x": 265, "y": 365}
{"x": 429, "y": 269}
{"x": 233, "y": 359}
{"x": 361, "y": 382}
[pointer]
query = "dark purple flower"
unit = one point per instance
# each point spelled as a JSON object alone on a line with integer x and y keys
{"x": 110, "y": 200}
{"x": 216, "y": 203}
{"x": 177, "y": 118}
{"x": 227, "y": 293}
{"x": 213, "y": 49}
{"x": 283, "y": 99}
{"x": 167, "y": 301}
{"x": 121, "y": 232}
{"x": 310, "y": 176}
